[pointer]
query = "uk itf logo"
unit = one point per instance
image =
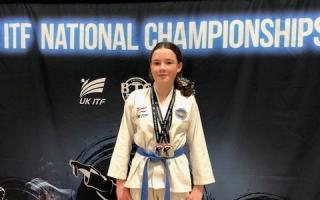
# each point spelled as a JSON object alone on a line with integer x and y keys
{"x": 131, "y": 85}
{"x": 89, "y": 87}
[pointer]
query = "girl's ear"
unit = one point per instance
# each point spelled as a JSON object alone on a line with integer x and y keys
{"x": 179, "y": 67}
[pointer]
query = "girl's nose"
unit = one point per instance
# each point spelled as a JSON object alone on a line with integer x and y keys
{"x": 163, "y": 65}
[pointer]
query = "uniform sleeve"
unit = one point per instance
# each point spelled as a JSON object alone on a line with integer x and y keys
{"x": 118, "y": 167}
{"x": 199, "y": 157}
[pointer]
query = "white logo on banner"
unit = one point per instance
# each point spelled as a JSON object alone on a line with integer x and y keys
{"x": 95, "y": 86}
{"x": 131, "y": 85}
{"x": 2, "y": 193}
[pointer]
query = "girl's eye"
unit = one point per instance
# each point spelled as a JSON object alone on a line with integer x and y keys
{"x": 157, "y": 63}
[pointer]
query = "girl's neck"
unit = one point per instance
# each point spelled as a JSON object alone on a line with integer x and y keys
{"x": 162, "y": 91}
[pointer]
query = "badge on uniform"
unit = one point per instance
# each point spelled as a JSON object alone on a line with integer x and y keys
{"x": 164, "y": 150}
{"x": 181, "y": 113}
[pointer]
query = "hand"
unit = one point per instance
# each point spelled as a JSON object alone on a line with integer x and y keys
{"x": 123, "y": 193}
{"x": 196, "y": 193}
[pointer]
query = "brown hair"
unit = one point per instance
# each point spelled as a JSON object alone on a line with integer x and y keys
{"x": 184, "y": 85}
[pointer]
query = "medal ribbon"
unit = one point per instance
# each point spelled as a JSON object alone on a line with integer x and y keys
{"x": 165, "y": 124}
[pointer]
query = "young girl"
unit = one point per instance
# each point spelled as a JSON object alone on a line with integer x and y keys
{"x": 160, "y": 120}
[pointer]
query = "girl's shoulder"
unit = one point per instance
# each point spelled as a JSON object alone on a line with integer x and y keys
{"x": 138, "y": 95}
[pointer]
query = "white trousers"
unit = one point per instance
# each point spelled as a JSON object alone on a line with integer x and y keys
{"x": 157, "y": 194}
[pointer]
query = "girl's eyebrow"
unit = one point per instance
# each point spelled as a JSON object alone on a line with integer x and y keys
{"x": 164, "y": 59}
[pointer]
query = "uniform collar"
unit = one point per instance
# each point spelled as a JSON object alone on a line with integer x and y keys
{"x": 167, "y": 99}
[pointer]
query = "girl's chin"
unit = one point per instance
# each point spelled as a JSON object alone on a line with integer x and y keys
{"x": 163, "y": 80}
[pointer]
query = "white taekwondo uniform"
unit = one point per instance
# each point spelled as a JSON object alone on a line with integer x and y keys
{"x": 137, "y": 127}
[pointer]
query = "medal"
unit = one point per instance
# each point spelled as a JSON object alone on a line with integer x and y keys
{"x": 159, "y": 150}
{"x": 168, "y": 150}
{"x": 164, "y": 150}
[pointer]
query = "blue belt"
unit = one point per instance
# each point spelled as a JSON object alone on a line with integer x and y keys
{"x": 153, "y": 158}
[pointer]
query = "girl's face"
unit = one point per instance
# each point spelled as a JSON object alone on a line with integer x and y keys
{"x": 164, "y": 66}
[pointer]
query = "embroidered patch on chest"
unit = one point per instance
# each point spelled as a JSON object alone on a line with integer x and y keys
{"x": 142, "y": 112}
{"x": 181, "y": 113}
